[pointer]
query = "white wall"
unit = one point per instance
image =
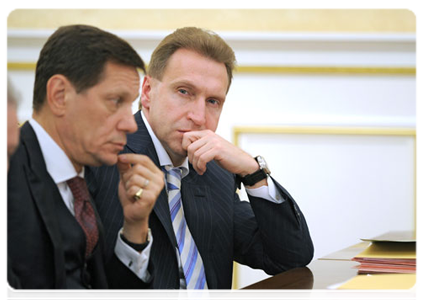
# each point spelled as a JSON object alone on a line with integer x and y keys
{"x": 348, "y": 186}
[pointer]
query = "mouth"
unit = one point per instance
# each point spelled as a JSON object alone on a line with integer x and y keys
{"x": 184, "y": 131}
{"x": 119, "y": 146}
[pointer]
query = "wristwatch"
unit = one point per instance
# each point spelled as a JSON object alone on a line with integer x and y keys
{"x": 260, "y": 174}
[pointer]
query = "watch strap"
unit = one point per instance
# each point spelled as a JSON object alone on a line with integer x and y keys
{"x": 255, "y": 177}
{"x": 259, "y": 175}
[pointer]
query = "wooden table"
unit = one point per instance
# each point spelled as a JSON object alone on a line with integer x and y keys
{"x": 308, "y": 283}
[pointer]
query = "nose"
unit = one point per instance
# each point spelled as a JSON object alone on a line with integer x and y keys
{"x": 127, "y": 122}
{"x": 197, "y": 112}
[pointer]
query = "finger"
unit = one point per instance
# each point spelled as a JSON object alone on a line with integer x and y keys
{"x": 146, "y": 196}
{"x": 141, "y": 165}
{"x": 203, "y": 159}
{"x": 133, "y": 159}
{"x": 196, "y": 146}
{"x": 138, "y": 194}
{"x": 139, "y": 170}
{"x": 155, "y": 182}
{"x": 192, "y": 136}
{"x": 196, "y": 155}
{"x": 135, "y": 190}
{"x": 196, "y": 150}
{"x": 135, "y": 180}
{"x": 122, "y": 165}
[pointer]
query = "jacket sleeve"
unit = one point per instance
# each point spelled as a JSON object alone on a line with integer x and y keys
{"x": 269, "y": 236}
{"x": 120, "y": 276}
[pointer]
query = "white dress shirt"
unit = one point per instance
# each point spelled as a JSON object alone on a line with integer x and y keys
{"x": 61, "y": 169}
{"x": 269, "y": 192}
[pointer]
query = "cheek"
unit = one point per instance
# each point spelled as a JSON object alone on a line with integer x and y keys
{"x": 212, "y": 121}
{"x": 103, "y": 133}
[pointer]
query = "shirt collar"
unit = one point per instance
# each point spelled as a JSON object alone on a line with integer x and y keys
{"x": 57, "y": 162}
{"x": 164, "y": 158}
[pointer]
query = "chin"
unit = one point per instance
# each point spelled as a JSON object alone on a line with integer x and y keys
{"x": 108, "y": 160}
{"x": 111, "y": 161}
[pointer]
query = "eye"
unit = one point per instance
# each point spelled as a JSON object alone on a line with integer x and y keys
{"x": 183, "y": 91}
{"x": 116, "y": 101}
{"x": 213, "y": 101}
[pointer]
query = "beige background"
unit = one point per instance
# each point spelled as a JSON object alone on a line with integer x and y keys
{"x": 272, "y": 20}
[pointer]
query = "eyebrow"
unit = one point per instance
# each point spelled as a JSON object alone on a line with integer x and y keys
{"x": 188, "y": 83}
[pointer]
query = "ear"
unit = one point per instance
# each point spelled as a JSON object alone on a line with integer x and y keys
{"x": 58, "y": 86}
{"x": 145, "y": 93}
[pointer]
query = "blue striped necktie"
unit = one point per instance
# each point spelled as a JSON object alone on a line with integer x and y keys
{"x": 191, "y": 261}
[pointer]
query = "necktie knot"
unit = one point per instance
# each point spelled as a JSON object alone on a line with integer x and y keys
{"x": 79, "y": 188}
{"x": 173, "y": 178}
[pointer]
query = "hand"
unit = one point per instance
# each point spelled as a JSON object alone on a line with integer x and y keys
{"x": 136, "y": 172}
{"x": 204, "y": 146}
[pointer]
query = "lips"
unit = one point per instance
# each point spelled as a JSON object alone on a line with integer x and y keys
{"x": 119, "y": 146}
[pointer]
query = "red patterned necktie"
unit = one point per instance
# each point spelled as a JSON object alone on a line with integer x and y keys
{"x": 84, "y": 212}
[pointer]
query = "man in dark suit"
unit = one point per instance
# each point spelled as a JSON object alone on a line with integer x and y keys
{"x": 86, "y": 80}
{"x": 12, "y": 144}
{"x": 182, "y": 97}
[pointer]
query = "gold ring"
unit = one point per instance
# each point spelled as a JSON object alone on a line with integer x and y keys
{"x": 137, "y": 196}
{"x": 146, "y": 182}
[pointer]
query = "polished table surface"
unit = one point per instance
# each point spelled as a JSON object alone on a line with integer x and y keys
{"x": 320, "y": 274}
{"x": 327, "y": 271}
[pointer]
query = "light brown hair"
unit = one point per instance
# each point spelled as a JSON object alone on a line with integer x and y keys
{"x": 204, "y": 42}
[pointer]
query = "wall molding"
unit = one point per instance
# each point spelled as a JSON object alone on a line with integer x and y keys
{"x": 158, "y": 35}
{"x": 318, "y": 70}
{"x": 269, "y": 52}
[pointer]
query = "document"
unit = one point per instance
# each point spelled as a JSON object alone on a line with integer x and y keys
{"x": 389, "y": 253}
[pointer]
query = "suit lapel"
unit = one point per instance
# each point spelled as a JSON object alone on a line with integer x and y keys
{"x": 44, "y": 192}
{"x": 140, "y": 142}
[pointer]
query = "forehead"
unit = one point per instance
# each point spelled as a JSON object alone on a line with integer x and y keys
{"x": 193, "y": 65}
{"x": 114, "y": 71}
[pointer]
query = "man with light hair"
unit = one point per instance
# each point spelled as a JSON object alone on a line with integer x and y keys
{"x": 199, "y": 224}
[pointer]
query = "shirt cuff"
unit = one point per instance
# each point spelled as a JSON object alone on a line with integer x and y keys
{"x": 137, "y": 262}
{"x": 268, "y": 192}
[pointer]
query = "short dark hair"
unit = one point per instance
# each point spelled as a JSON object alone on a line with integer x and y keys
{"x": 204, "y": 42}
{"x": 80, "y": 52}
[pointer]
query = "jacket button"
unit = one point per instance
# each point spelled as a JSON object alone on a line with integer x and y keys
{"x": 171, "y": 293}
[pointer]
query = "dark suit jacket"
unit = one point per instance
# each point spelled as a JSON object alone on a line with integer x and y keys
{"x": 260, "y": 234}
{"x": 36, "y": 257}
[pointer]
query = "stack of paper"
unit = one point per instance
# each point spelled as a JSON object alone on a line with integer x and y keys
{"x": 381, "y": 286}
{"x": 388, "y": 254}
